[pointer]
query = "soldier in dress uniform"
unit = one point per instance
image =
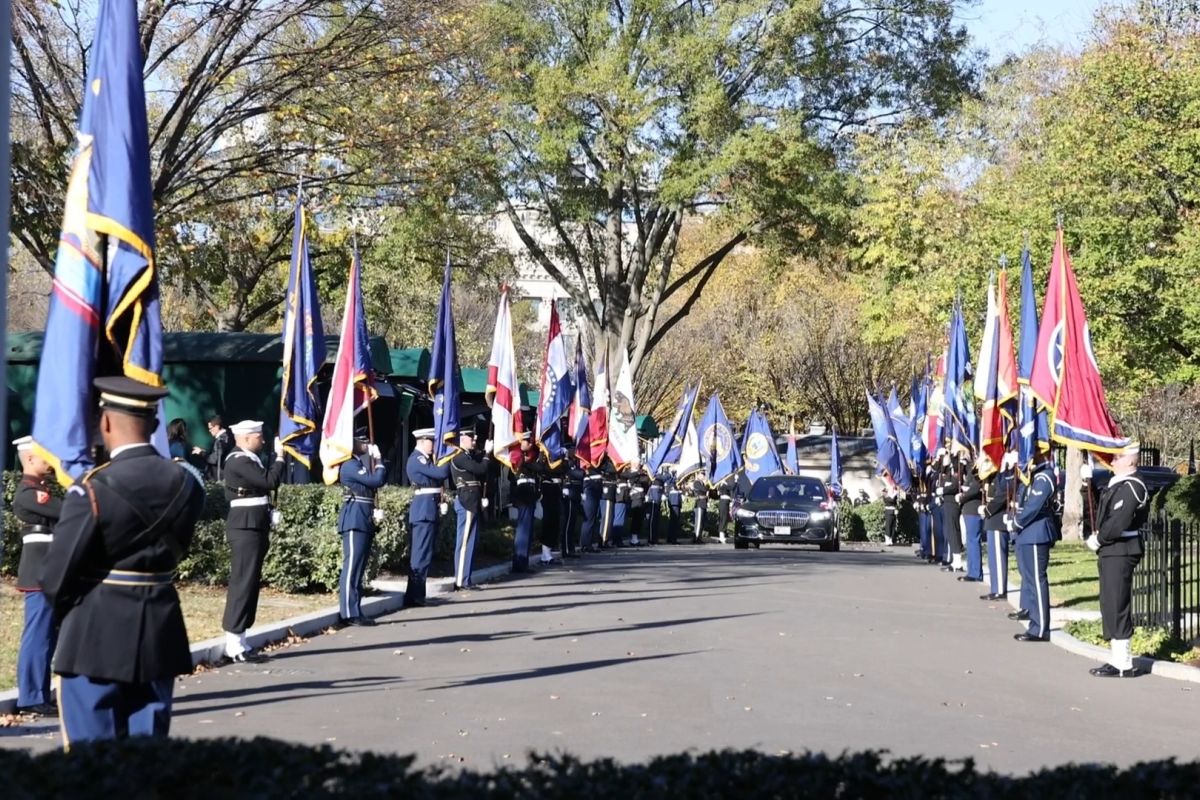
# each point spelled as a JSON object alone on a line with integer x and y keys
{"x": 37, "y": 509}
{"x": 469, "y": 469}
{"x": 949, "y": 483}
{"x": 921, "y": 506}
{"x": 524, "y": 496}
{"x": 639, "y": 481}
{"x": 108, "y": 574}
{"x": 941, "y": 552}
{"x": 360, "y": 477}
{"x": 608, "y": 501}
{"x": 1036, "y": 526}
{"x": 891, "y": 502}
{"x": 1123, "y": 509}
{"x": 654, "y": 498}
{"x": 995, "y": 509}
{"x": 674, "y": 509}
{"x": 621, "y": 500}
{"x": 593, "y": 496}
{"x": 724, "y": 501}
{"x": 426, "y": 478}
{"x": 553, "y": 494}
{"x": 700, "y": 492}
{"x": 247, "y": 485}
{"x": 970, "y": 497}
{"x": 572, "y": 503}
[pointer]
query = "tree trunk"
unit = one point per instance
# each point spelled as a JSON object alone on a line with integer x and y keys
{"x": 1073, "y": 509}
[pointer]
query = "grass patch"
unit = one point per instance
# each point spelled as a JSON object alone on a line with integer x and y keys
{"x": 202, "y": 609}
{"x": 1152, "y": 642}
{"x": 1072, "y": 573}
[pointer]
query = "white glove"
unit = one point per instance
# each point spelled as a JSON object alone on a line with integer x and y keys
{"x": 958, "y": 498}
{"x": 377, "y": 515}
{"x": 1009, "y": 523}
{"x": 1093, "y": 543}
{"x": 373, "y": 451}
{"x": 487, "y": 446}
{"x": 483, "y": 503}
{"x": 1085, "y": 471}
{"x": 278, "y": 449}
{"x": 443, "y": 507}
{"x": 940, "y": 491}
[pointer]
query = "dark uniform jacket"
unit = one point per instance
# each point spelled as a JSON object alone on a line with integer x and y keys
{"x": 948, "y": 483}
{"x": 972, "y": 495}
{"x": 426, "y": 479}
{"x": 359, "y": 483}
{"x": 1124, "y": 507}
{"x": 37, "y": 510}
{"x": 468, "y": 470}
{"x": 997, "y": 501}
{"x": 608, "y": 481}
{"x": 1036, "y": 522}
{"x": 222, "y": 446}
{"x": 524, "y": 488}
{"x": 127, "y": 522}
{"x": 573, "y": 482}
{"x": 247, "y": 484}
{"x": 700, "y": 492}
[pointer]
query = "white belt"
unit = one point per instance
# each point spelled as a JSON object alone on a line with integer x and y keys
{"x": 594, "y": 477}
{"x": 241, "y": 502}
{"x": 552, "y": 480}
{"x": 429, "y": 490}
{"x": 30, "y": 538}
{"x": 525, "y": 480}
{"x": 1131, "y": 534}
{"x": 362, "y": 500}
{"x": 725, "y": 497}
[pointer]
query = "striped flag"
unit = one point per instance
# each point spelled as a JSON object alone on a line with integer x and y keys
{"x": 445, "y": 379}
{"x": 581, "y": 405}
{"x": 597, "y": 427}
{"x": 351, "y": 389}
{"x": 503, "y": 391}
{"x": 556, "y": 392}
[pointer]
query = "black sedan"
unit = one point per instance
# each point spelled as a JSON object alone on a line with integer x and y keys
{"x": 786, "y": 509}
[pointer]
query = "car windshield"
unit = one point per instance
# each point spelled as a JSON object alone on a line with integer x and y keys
{"x": 788, "y": 488}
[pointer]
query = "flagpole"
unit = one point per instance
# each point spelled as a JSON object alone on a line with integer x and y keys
{"x": 5, "y": 190}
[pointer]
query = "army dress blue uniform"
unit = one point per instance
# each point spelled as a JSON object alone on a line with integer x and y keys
{"x": 1036, "y": 526}
{"x": 674, "y": 510}
{"x": 356, "y": 524}
{"x": 426, "y": 479}
{"x": 468, "y": 470}
{"x": 593, "y": 491}
{"x": 971, "y": 498}
{"x": 921, "y": 506}
{"x": 550, "y": 476}
{"x": 997, "y": 534}
{"x": 654, "y": 498}
{"x": 38, "y": 510}
{"x": 572, "y": 518}
{"x": 524, "y": 493}
{"x": 620, "y": 514}
{"x": 108, "y": 573}
{"x": 949, "y": 484}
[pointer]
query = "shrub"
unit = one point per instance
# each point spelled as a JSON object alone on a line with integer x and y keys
{"x": 1154, "y": 642}
{"x": 866, "y": 523}
{"x": 1182, "y": 501}
{"x": 265, "y": 768}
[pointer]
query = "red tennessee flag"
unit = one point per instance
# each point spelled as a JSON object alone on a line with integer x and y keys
{"x": 503, "y": 392}
{"x": 337, "y": 429}
{"x": 1065, "y": 375}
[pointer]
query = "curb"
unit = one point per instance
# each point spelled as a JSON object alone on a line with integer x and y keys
{"x": 211, "y": 650}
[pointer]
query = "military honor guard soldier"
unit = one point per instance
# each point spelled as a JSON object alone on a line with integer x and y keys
{"x": 469, "y": 470}
{"x": 426, "y": 479}
{"x": 593, "y": 491}
{"x": 37, "y": 509}
{"x": 108, "y": 574}
{"x": 1117, "y": 541}
{"x": 572, "y": 504}
{"x": 997, "y": 490}
{"x": 1036, "y": 528}
{"x": 970, "y": 499}
{"x": 360, "y": 477}
{"x": 524, "y": 500}
{"x": 248, "y": 484}
{"x": 553, "y": 494}
{"x": 674, "y": 509}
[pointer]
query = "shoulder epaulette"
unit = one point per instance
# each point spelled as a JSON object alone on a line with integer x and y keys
{"x": 87, "y": 476}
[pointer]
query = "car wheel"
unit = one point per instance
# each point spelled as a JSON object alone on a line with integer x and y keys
{"x": 738, "y": 544}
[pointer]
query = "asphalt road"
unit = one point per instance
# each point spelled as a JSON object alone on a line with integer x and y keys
{"x": 649, "y": 651}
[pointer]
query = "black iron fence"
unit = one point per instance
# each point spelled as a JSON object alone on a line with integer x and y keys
{"x": 1166, "y": 584}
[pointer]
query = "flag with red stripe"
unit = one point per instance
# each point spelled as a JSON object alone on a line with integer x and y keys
{"x": 503, "y": 392}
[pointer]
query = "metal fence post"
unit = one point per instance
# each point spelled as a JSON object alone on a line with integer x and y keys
{"x": 1176, "y": 579}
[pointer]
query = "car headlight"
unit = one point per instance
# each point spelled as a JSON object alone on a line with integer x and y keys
{"x": 744, "y": 513}
{"x": 819, "y": 516}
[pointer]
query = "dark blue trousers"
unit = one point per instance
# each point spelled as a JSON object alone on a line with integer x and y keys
{"x": 591, "y": 516}
{"x": 1032, "y": 561}
{"x": 674, "y": 522}
{"x": 419, "y": 558}
{"x": 923, "y": 528}
{"x": 464, "y": 544}
{"x": 96, "y": 709}
{"x": 941, "y": 549}
{"x": 37, "y": 646}
{"x": 973, "y": 533}
{"x": 998, "y": 561}
{"x": 620, "y": 515}
{"x": 356, "y": 549}
{"x": 522, "y": 538}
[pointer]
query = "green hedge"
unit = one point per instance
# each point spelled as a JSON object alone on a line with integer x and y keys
{"x": 865, "y": 523}
{"x": 1182, "y": 501}
{"x": 306, "y": 551}
{"x": 264, "y": 768}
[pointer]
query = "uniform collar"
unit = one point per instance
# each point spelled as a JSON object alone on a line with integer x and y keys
{"x": 1132, "y": 476}
{"x": 126, "y": 448}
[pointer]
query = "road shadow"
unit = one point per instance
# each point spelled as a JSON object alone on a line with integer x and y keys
{"x": 547, "y": 672}
{"x": 188, "y": 704}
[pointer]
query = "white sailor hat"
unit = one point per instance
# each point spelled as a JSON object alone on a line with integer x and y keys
{"x": 245, "y": 427}
{"x": 1131, "y": 448}
{"x": 424, "y": 433}
{"x": 23, "y": 444}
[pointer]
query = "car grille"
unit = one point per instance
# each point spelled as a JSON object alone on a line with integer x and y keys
{"x": 794, "y": 519}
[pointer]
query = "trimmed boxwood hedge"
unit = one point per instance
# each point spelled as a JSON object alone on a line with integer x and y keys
{"x": 268, "y": 769}
{"x": 865, "y": 523}
{"x": 306, "y": 550}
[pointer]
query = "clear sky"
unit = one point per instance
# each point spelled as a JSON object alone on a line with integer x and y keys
{"x": 1011, "y": 26}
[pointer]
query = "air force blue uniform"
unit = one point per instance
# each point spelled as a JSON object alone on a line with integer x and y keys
{"x": 356, "y": 523}
{"x": 997, "y": 533}
{"x": 972, "y": 524}
{"x": 1036, "y": 527}
{"x": 426, "y": 479}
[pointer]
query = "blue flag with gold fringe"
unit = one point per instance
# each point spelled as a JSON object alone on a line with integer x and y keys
{"x": 758, "y": 447}
{"x": 303, "y": 349}
{"x": 104, "y": 306}
{"x": 445, "y": 380}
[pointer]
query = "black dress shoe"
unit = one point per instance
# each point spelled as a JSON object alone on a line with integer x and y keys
{"x": 39, "y": 710}
{"x": 947, "y": 568}
{"x": 248, "y": 657}
{"x": 361, "y": 622}
{"x": 969, "y": 579}
{"x": 1109, "y": 671}
{"x": 1019, "y": 616}
{"x": 992, "y": 597}
{"x": 1026, "y": 637}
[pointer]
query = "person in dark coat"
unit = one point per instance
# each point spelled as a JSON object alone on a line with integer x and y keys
{"x": 655, "y": 494}
{"x": 468, "y": 469}
{"x": 553, "y": 492}
{"x": 970, "y": 498}
{"x": 1117, "y": 541}
{"x": 998, "y": 490}
{"x": 360, "y": 477}
{"x": 248, "y": 484}
{"x": 700, "y": 493}
{"x": 572, "y": 504}
{"x": 524, "y": 493}
{"x": 37, "y": 510}
{"x": 222, "y": 446}
{"x": 949, "y": 484}
{"x": 593, "y": 497}
{"x": 674, "y": 508}
{"x": 891, "y": 507}
{"x": 1036, "y": 526}
{"x": 427, "y": 479}
{"x": 108, "y": 574}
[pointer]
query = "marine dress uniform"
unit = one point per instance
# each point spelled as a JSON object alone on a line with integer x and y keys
{"x": 970, "y": 498}
{"x": 524, "y": 494}
{"x": 1036, "y": 527}
{"x": 426, "y": 479}
{"x": 356, "y": 524}
{"x": 108, "y": 574}
{"x": 37, "y": 509}
{"x": 247, "y": 529}
{"x": 469, "y": 470}
{"x": 1123, "y": 509}
{"x": 593, "y": 491}
{"x": 996, "y": 532}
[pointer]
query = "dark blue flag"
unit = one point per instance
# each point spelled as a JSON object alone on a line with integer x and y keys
{"x": 958, "y": 415}
{"x": 1033, "y": 427}
{"x": 303, "y": 349}
{"x": 104, "y": 307}
{"x": 445, "y": 381}
{"x": 835, "y": 465}
{"x": 671, "y": 444}
{"x": 758, "y": 447}
{"x": 716, "y": 443}
{"x": 920, "y": 408}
